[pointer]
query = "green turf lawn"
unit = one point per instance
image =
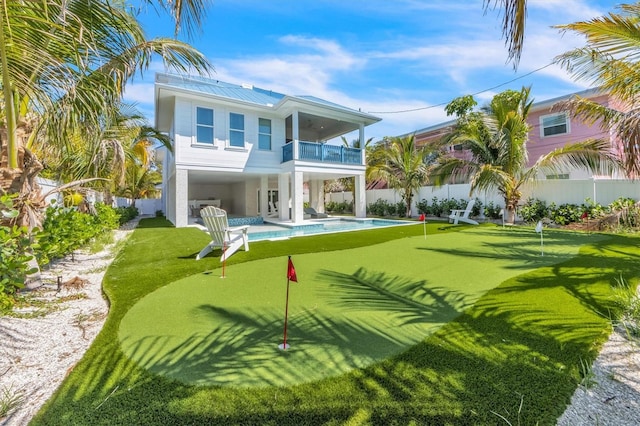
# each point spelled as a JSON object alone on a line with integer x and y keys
{"x": 458, "y": 328}
{"x": 353, "y": 307}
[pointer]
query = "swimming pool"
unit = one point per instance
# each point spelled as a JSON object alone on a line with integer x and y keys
{"x": 324, "y": 226}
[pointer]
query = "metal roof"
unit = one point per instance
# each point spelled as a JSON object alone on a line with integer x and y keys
{"x": 244, "y": 92}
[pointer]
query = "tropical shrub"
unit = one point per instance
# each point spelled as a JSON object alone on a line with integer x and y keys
{"x": 628, "y": 212}
{"x": 401, "y": 208}
{"x": 533, "y": 210}
{"x": 65, "y": 229}
{"x": 476, "y": 209}
{"x": 341, "y": 207}
{"x": 125, "y": 214}
{"x": 565, "y": 213}
{"x": 423, "y": 206}
{"x": 379, "y": 208}
{"x": 15, "y": 246}
{"x": 492, "y": 211}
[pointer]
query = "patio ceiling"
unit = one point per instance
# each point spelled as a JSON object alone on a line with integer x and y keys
{"x": 316, "y": 128}
{"x": 202, "y": 177}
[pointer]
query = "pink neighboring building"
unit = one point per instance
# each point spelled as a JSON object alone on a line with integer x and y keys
{"x": 550, "y": 129}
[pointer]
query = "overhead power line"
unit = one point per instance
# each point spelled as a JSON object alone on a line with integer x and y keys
{"x": 473, "y": 94}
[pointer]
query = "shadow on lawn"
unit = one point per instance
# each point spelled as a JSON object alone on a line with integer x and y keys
{"x": 246, "y": 354}
{"x": 525, "y": 247}
{"x": 408, "y": 301}
{"x": 382, "y": 316}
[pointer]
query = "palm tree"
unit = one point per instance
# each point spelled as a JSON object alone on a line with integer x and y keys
{"x": 348, "y": 183}
{"x": 402, "y": 165}
{"x": 140, "y": 182}
{"x": 64, "y": 65}
{"x": 610, "y": 61}
{"x": 496, "y": 139}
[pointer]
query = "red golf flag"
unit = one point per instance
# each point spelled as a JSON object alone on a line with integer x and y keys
{"x": 422, "y": 217}
{"x": 291, "y": 271}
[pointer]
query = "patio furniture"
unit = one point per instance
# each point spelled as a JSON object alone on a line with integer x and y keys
{"x": 314, "y": 214}
{"x": 463, "y": 215}
{"x": 228, "y": 238}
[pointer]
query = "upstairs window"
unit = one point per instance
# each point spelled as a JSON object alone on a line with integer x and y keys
{"x": 554, "y": 124}
{"x": 264, "y": 134}
{"x": 204, "y": 125}
{"x": 236, "y": 130}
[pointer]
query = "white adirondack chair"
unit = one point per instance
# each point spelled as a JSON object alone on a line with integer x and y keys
{"x": 223, "y": 236}
{"x": 463, "y": 215}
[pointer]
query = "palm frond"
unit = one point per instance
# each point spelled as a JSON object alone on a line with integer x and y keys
{"x": 514, "y": 16}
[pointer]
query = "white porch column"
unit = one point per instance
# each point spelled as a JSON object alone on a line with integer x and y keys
{"x": 295, "y": 133}
{"x": 297, "y": 197}
{"x": 360, "y": 200}
{"x": 264, "y": 196}
{"x": 316, "y": 195}
{"x": 283, "y": 196}
{"x": 362, "y": 141}
{"x": 182, "y": 198}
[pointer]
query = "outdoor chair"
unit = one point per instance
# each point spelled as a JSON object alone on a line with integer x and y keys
{"x": 314, "y": 214}
{"x": 223, "y": 236}
{"x": 463, "y": 215}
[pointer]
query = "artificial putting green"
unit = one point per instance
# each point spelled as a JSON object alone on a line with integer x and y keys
{"x": 351, "y": 308}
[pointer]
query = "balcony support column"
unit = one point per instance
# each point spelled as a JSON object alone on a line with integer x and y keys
{"x": 360, "y": 200}
{"x": 295, "y": 123}
{"x": 283, "y": 196}
{"x": 297, "y": 197}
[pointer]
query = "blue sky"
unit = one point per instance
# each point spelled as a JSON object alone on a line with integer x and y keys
{"x": 382, "y": 57}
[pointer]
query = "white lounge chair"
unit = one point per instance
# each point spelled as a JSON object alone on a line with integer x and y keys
{"x": 314, "y": 214}
{"x": 463, "y": 215}
{"x": 229, "y": 239}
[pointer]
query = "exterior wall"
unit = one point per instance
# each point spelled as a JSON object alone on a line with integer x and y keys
{"x": 577, "y": 131}
{"x": 220, "y": 155}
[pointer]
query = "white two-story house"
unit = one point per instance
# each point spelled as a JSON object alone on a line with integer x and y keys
{"x": 252, "y": 151}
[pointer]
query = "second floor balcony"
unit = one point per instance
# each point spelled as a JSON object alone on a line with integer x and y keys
{"x": 322, "y": 152}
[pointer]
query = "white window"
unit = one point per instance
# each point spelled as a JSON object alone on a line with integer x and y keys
{"x": 264, "y": 134}
{"x": 558, "y": 176}
{"x": 236, "y": 130}
{"x": 204, "y": 125}
{"x": 554, "y": 124}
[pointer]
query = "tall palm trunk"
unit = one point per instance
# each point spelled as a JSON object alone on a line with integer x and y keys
{"x": 21, "y": 181}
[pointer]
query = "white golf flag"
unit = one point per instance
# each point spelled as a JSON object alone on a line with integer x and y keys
{"x": 539, "y": 227}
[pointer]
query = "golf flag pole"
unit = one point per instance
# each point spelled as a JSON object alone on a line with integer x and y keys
{"x": 423, "y": 219}
{"x": 291, "y": 276}
{"x": 224, "y": 256}
{"x": 539, "y": 231}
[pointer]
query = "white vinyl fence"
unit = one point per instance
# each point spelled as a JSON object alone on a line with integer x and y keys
{"x": 145, "y": 206}
{"x": 603, "y": 191}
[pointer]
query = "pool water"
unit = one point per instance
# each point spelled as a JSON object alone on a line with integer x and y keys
{"x": 323, "y": 227}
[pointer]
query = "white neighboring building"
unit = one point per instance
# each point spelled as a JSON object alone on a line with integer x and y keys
{"x": 251, "y": 150}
